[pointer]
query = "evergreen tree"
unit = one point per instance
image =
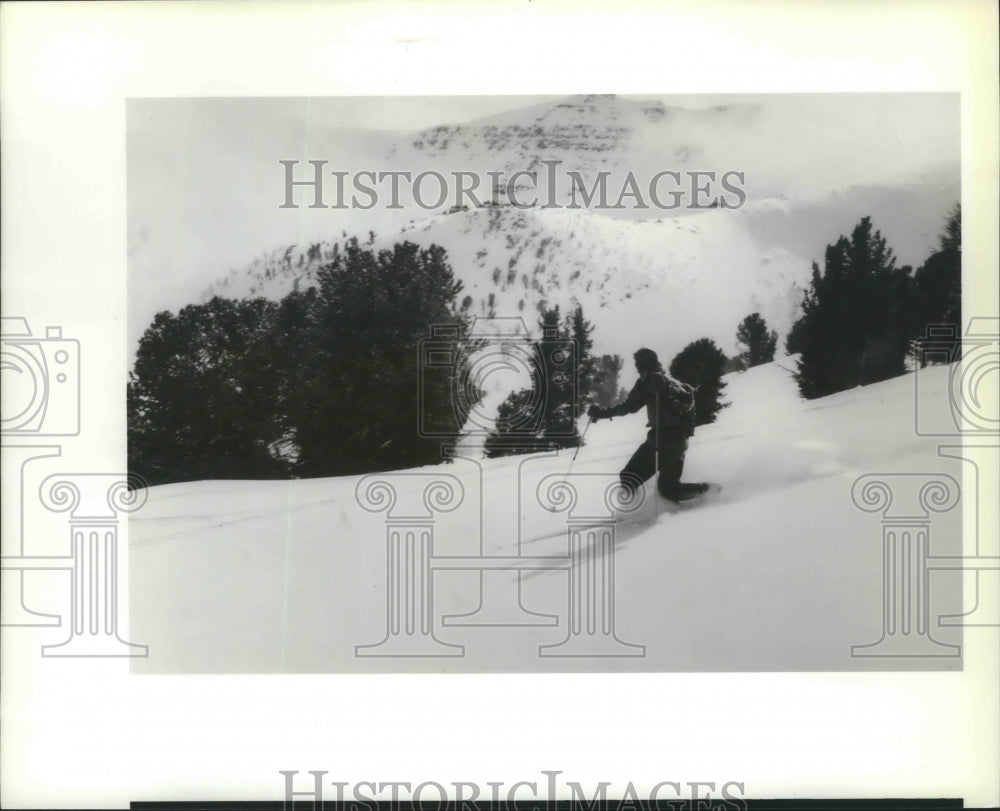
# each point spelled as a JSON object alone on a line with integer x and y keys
{"x": 326, "y": 382}
{"x": 854, "y": 327}
{"x": 795, "y": 338}
{"x": 580, "y": 331}
{"x": 701, "y": 364}
{"x": 736, "y": 364}
{"x": 559, "y": 366}
{"x": 757, "y": 344}
{"x": 544, "y": 416}
{"x": 515, "y": 430}
{"x": 199, "y": 398}
{"x": 357, "y": 385}
{"x": 937, "y": 299}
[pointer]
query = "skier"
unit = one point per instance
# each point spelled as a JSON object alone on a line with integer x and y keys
{"x": 671, "y": 417}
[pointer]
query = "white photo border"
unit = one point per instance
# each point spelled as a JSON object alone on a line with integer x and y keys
{"x": 78, "y": 733}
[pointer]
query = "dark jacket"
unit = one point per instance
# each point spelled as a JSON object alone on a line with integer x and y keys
{"x": 669, "y": 403}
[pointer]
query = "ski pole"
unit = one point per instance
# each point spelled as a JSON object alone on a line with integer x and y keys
{"x": 571, "y": 461}
{"x": 579, "y": 444}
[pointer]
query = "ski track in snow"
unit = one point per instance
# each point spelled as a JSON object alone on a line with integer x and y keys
{"x": 778, "y": 571}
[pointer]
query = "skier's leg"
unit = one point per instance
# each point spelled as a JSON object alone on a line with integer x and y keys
{"x": 672, "y": 450}
{"x": 671, "y": 467}
{"x": 639, "y": 468}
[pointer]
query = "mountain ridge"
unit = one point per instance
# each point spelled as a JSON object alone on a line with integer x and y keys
{"x": 672, "y": 280}
{"x": 813, "y": 167}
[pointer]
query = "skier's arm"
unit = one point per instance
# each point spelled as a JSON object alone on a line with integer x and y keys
{"x": 629, "y": 405}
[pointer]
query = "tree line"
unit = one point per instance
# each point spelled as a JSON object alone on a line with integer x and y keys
{"x": 560, "y": 398}
{"x": 863, "y": 317}
{"x": 862, "y": 320}
{"x": 328, "y": 381}
{"x": 324, "y": 382}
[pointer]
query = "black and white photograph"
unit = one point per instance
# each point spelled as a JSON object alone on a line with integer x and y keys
{"x": 499, "y": 403}
{"x": 457, "y": 384}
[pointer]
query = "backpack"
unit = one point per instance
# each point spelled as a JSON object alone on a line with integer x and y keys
{"x": 679, "y": 398}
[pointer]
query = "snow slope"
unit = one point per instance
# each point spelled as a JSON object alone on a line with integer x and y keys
{"x": 781, "y": 571}
{"x": 670, "y": 281}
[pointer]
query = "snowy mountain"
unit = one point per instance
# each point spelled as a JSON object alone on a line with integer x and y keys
{"x": 781, "y": 143}
{"x": 671, "y": 275}
{"x": 780, "y": 571}
{"x": 670, "y": 280}
{"x": 205, "y": 190}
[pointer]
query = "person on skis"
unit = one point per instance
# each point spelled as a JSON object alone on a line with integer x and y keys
{"x": 671, "y": 417}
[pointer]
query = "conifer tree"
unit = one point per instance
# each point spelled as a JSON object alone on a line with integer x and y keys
{"x": 199, "y": 396}
{"x": 544, "y": 416}
{"x": 358, "y": 382}
{"x": 701, "y": 364}
{"x": 938, "y": 283}
{"x": 756, "y": 341}
{"x": 854, "y": 328}
{"x": 580, "y": 330}
{"x": 326, "y": 382}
